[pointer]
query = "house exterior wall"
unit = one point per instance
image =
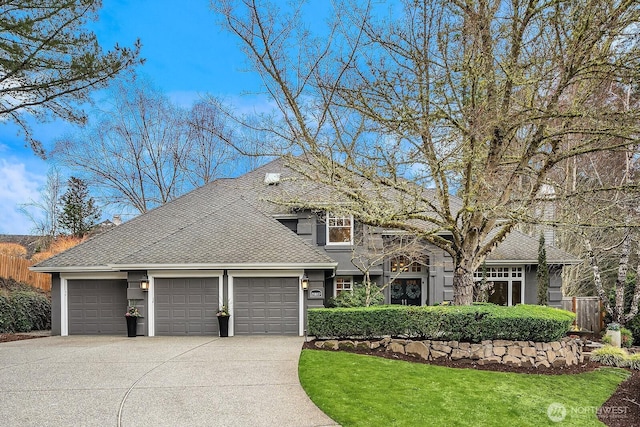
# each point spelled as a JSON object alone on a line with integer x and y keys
{"x": 312, "y": 299}
{"x": 437, "y": 279}
{"x": 555, "y": 286}
{"x": 531, "y": 285}
{"x": 56, "y": 304}
{"x": 443, "y": 277}
{"x": 138, "y": 297}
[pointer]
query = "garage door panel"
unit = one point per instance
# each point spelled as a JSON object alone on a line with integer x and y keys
{"x": 266, "y": 306}
{"x": 97, "y": 307}
{"x": 290, "y": 298}
{"x": 196, "y": 299}
{"x": 186, "y": 306}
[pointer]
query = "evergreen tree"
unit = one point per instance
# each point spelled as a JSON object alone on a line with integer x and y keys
{"x": 543, "y": 273}
{"x": 79, "y": 212}
{"x": 50, "y": 61}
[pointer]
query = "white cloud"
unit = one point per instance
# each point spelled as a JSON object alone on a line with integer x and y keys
{"x": 17, "y": 186}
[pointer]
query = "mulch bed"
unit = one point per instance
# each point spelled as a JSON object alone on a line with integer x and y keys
{"x": 17, "y": 337}
{"x": 621, "y": 410}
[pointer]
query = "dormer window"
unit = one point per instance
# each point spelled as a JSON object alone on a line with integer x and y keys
{"x": 271, "y": 178}
{"x": 339, "y": 229}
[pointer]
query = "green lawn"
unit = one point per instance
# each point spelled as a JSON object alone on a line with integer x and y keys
{"x": 358, "y": 390}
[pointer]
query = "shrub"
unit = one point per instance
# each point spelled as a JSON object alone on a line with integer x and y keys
{"x": 609, "y": 355}
{"x": 460, "y": 323}
{"x": 24, "y": 311}
{"x": 626, "y": 337}
{"x": 358, "y": 297}
{"x": 634, "y": 327}
{"x": 634, "y": 361}
{"x": 6, "y": 313}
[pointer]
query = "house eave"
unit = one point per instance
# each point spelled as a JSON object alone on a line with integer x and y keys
{"x": 231, "y": 266}
{"x": 236, "y": 266}
{"x": 503, "y": 262}
{"x": 71, "y": 269}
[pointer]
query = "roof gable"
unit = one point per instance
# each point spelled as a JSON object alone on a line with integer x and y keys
{"x": 210, "y": 225}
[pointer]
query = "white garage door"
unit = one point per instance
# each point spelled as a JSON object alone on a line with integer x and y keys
{"x": 186, "y": 306}
{"x": 265, "y": 305}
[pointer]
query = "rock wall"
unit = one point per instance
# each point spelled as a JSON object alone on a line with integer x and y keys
{"x": 566, "y": 352}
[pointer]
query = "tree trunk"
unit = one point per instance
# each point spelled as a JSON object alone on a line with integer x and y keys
{"x": 463, "y": 286}
{"x": 635, "y": 301}
{"x": 597, "y": 278}
{"x": 621, "y": 280}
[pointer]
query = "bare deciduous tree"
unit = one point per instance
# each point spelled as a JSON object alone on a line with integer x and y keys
{"x": 209, "y": 154}
{"x": 44, "y": 213}
{"x": 399, "y": 106}
{"x": 371, "y": 249}
{"x": 144, "y": 151}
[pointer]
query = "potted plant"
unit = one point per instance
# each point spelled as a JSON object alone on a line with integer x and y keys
{"x": 223, "y": 320}
{"x": 132, "y": 315}
{"x": 613, "y": 331}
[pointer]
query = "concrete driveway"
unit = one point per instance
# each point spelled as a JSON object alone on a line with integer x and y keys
{"x": 157, "y": 381}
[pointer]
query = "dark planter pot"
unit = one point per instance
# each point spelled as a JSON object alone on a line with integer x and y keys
{"x": 223, "y": 323}
{"x": 132, "y": 326}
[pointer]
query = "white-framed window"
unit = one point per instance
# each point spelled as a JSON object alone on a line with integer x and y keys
{"x": 508, "y": 284}
{"x": 403, "y": 264}
{"x": 339, "y": 229}
{"x": 343, "y": 284}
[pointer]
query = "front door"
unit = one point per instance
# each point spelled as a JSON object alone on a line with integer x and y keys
{"x": 406, "y": 291}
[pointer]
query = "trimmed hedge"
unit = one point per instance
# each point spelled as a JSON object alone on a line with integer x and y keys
{"x": 447, "y": 323}
{"x": 24, "y": 311}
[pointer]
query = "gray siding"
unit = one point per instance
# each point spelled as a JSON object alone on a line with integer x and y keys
{"x": 138, "y": 297}
{"x": 55, "y": 304}
{"x": 555, "y": 286}
{"x": 531, "y": 285}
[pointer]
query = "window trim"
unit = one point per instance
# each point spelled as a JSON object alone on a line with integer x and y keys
{"x": 410, "y": 266}
{"x": 335, "y": 284}
{"x": 507, "y": 274}
{"x": 328, "y": 241}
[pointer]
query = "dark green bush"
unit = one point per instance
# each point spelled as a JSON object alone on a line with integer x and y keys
{"x": 357, "y": 297}
{"x": 24, "y": 311}
{"x": 460, "y": 323}
{"x": 6, "y": 313}
{"x": 634, "y": 327}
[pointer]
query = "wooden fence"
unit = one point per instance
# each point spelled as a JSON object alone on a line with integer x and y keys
{"x": 18, "y": 269}
{"x": 588, "y": 312}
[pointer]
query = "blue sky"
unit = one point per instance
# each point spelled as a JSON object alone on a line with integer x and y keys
{"x": 187, "y": 55}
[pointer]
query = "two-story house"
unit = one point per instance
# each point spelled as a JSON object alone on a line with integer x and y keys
{"x": 232, "y": 242}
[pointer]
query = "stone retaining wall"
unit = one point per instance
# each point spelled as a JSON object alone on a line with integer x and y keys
{"x": 566, "y": 352}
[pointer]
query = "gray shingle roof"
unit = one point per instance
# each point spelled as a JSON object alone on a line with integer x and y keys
{"x": 230, "y": 222}
{"x": 524, "y": 248}
{"x": 210, "y": 225}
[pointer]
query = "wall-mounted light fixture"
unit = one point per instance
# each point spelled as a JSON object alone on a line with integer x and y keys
{"x": 304, "y": 282}
{"x": 144, "y": 283}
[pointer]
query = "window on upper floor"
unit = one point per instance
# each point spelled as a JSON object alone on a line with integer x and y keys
{"x": 339, "y": 229}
